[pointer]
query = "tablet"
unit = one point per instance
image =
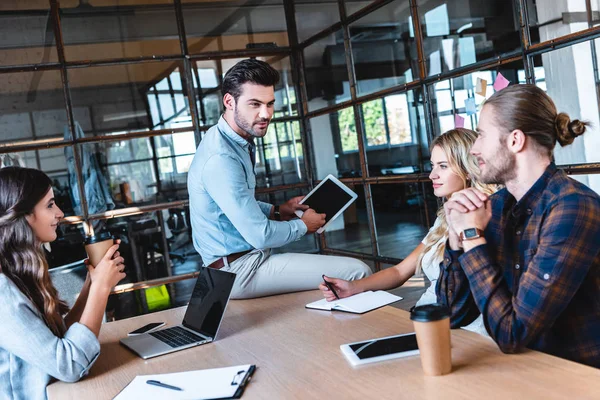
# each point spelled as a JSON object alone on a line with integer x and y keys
{"x": 381, "y": 349}
{"x": 331, "y": 197}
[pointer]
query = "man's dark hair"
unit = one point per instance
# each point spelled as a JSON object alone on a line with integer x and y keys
{"x": 249, "y": 70}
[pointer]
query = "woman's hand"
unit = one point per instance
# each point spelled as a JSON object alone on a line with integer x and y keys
{"x": 342, "y": 287}
{"x": 109, "y": 271}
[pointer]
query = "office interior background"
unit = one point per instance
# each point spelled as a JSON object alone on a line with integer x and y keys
{"x": 111, "y": 98}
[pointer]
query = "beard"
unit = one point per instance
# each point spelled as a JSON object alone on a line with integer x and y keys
{"x": 247, "y": 126}
{"x": 501, "y": 170}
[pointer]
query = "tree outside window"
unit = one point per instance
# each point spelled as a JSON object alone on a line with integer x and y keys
{"x": 387, "y": 123}
{"x": 398, "y": 119}
{"x": 375, "y": 123}
{"x": 348, "y": 133}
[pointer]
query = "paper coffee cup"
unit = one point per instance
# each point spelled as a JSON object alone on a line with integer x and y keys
{"x": 96, "y": 246}
{"x": 432, "y": 326}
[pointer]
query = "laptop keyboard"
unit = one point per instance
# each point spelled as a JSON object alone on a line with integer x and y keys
{"x": 177, "y": 336}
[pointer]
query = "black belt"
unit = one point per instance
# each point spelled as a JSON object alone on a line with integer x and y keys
{"x": 230, "y": 258}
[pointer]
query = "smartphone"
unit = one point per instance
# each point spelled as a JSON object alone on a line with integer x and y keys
{"x": 146, "y": 328}
{"x": 381, "y": 349}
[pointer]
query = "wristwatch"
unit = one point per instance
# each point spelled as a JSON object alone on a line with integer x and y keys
{"x": 276, "y": 213}
{"x": 470, "y": 234}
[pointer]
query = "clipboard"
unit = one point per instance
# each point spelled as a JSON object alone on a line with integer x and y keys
{"x": 207, "y": 384}
{"x": 244, "y": 382}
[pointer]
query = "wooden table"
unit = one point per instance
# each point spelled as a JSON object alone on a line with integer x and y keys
{"x": 298, "y": 357}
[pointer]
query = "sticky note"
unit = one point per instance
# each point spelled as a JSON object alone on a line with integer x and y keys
{"x": 459, "y": 122}
{"x": 481, "y": 87}
{"x": 470, "y": 106}
{"x": 501, "y": 82}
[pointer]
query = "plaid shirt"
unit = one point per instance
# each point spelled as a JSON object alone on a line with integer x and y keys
{"x": 537, "y": 280}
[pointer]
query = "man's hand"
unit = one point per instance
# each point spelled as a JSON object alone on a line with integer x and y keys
{"x": 287, "y": 209}
{"x": 468, "y": 208}
{"x": 312, "y": 220}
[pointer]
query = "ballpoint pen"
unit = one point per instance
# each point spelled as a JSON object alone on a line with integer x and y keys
{"x": 330, "y": 286}
{"x": 163, "y": 385}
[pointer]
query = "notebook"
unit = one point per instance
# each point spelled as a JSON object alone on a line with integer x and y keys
{"x": 358, "y": 304}
{"x": 217, "y": 383}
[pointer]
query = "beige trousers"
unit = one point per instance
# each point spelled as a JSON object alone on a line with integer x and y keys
{"x": 260, "y": 273}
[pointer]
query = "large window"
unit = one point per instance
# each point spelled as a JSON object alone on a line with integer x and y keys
{"x": 386, "y": 124}
{"x": 115, "y": 106}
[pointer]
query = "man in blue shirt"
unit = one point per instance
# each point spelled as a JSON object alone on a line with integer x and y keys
{"x": 231, "y": 229}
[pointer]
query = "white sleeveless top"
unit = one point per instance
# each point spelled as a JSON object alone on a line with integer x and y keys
{"x": 431, "y": 269}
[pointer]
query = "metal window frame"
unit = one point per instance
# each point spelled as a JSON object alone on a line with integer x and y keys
{"x": 295, "y": 51}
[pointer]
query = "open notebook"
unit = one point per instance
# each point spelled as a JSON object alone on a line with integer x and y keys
{"x": 358, "y": 304}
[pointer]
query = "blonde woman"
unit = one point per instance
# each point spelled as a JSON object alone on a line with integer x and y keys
{"x": 452, "y": 169}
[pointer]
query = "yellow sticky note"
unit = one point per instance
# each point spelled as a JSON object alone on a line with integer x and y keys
{"x": 481, "y": 87}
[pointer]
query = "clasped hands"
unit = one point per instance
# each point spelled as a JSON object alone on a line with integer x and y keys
{"x": 468, "y": 208}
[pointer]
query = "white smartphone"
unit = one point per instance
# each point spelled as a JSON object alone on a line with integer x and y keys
{"x": 146, "y": 328}
{"x": 385, "y": 348}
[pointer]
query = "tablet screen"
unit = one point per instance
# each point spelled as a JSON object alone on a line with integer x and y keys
{"x": 329, "y": 199}
{"x": 383, "y": 347}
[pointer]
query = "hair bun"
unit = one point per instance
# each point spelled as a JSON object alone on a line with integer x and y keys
{"x": 567, "y": 130}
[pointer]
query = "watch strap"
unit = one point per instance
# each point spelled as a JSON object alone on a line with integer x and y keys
{"x": 470, "y": 234}
{"x": 276, "y": 213}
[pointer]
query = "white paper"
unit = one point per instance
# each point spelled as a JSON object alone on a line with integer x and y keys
{"x": 200, "y": 384}
{"x": 359, "y": 303}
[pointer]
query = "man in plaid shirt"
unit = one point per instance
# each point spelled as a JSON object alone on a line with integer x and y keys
{"x": 527, "y": 257}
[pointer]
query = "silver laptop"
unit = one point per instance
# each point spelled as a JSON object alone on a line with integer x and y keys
{"x": 200, "y": 324}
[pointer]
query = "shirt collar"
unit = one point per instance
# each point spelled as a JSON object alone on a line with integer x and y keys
{"x": 230, "y": 133}
{"x": 530, "y": 198}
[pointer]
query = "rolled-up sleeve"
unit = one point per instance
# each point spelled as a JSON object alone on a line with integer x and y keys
{"x": 237, "y": 201}
{"x": 25, "y": 334}
{"x": 265, "y": 208}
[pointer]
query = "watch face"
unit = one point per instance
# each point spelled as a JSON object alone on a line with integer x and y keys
{"x": 470, "y": 233}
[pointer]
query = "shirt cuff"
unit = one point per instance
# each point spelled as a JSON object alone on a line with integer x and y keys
{"x": 87, "y": 342}
{"x": 265, "y": 208}
{"x": 474, "y": 259}
{"x": 451, "y": 258}
{"x": 300, "y": 227}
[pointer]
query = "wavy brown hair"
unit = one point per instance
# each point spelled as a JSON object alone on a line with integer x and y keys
{"x": 22, "y": 259}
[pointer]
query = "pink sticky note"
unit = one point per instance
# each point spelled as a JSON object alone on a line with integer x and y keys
{"x": 459, "y": 122}
{"x": 501, "y": 82}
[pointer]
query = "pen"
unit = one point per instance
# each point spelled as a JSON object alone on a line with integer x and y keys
{"x": 164, "y": 385}
{"x": 330, "y": 286}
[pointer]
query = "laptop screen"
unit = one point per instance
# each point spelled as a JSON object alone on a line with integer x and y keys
{"x": 209, "y": 299}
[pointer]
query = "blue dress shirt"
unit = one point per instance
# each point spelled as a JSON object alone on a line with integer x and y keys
{"x": 226, "y": 218}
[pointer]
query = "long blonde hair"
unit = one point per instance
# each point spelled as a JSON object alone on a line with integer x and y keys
{"x": 456, "y": 144}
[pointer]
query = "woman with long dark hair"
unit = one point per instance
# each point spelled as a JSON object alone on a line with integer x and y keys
{"x": 40, "y": 338}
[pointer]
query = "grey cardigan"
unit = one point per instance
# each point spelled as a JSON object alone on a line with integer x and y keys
{"x": 31, "y": 355}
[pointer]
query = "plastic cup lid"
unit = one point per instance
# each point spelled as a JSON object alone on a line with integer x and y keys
{"x": 429, "y": 312}
{"x": 100, "y": 237}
